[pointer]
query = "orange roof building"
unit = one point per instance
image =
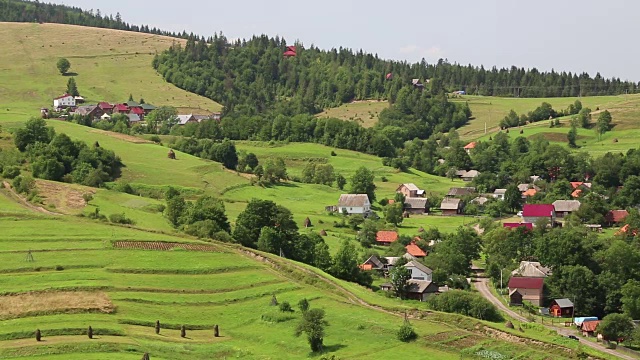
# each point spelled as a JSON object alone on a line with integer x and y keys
{"x": 471, "y": 145}
{"x": 576, "y": 184}
{"x": 386, "y": 237}
{"x": 576, "y": 193}
{"x": 414, "y": 250}
{"x": 529, "y": 192}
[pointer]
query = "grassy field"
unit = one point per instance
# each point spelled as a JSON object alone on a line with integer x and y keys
{"x": 108, "y": 65}
{"x": 364, "y": 112}
{"x": 121, "y": 293}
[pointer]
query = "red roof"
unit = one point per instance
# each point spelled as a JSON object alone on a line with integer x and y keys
{"x": 137, "y": 110}
{"x": 526, "y": 283}
{"x": 470, "y": 145}
{"x": 389, "y": 76}
{"x": 575, "y": 184}
{"x": 517, "y": 225}
{"x": 616, "y": 216}
{"x": 121, "y": 107}
{"x": 386, "y": 236}
{"x": 576, "y": 193}
{"x": 63, "y": 96}
{"x": 415, "y": 250}
{"x": 589, "y": 326}
{"x": 105, "y": 105}
{"x": 538, "y": 210}
{"x": 530, "y": 192}
{"x": 291, "y": 51}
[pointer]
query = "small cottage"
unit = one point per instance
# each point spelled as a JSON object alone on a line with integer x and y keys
{"x": 615, "y": 217}
{"x": 372, "y": 263}
{"x": 458, "y": 192}
{"x": 354, "y": 204}
{"x": 470, "y": 146}
{"x": 531, "y": 269}
{"x": 499, "y": 194}
{"x": 565, "y": 207}
{"x": 421, "y": 289}
{"x": 531, "y": 213}
{"x": 529, "y": 288}
{"x": 185, "y": 119}
{"x": 416, "y": 205}
{"x": 450, "y": 206}
{"x": 470, "y": 175}
{"x": 561, "y": 308}
{"x": 419, "y": 271}
{"x": 414, "y": 250}
{"x": 588, "y": 328}
{"x": 410, "y": 191}
{"x": 386, "y": 237}
{"x": 515, "y": 298}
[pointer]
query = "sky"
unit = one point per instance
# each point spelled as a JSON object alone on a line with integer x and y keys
{"x": 565, "y": 35}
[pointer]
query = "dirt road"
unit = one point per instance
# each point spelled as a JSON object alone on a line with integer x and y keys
{"x": 482, "y": 284}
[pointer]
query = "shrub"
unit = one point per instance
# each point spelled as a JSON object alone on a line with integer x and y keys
{"x": 406, "y": 333}
{"x": 333, "y": 153}
{"x": 38, "y": 335}
{"x": 465, "y": 303}
{"x": 125, "y": 188}
{"x": 120, "y": 219}
{"x": 10, "y": 172}
{"x": 157, "y": 327}
{"x": 303, "y": 305}
{"x": 183, "y": 331}
{"x": 59, "y": 268}
{"x": 87, "y": 197}
{"x": 384, "y": 179}
{"x": 90, "y": 332}
{"x": 155, "y": 139}
{"x": 285, "y": 307}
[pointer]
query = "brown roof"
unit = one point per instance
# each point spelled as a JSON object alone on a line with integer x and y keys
{"x": 470, "y": 145}
{"x": 461, "y": 191}
{"x": 589, "y": 326}
{"x": 353, "y": 200}
{"x": 450, "y": 204}
{"x": 566, "y": 205}
{"x": 421, "y": 286}
{"x": 526, "y": 283}
{"x": 616, "y": 216}
{"x": 415, "y": 250}
{"x": 386, "y": 236}
{"x": 415, "y": 203}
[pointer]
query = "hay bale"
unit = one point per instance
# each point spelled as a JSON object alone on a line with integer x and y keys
{"x": 145, "y": 356}
{"x": 323, "y": 232}
{"x": 157, "y": 327}
{"x": 307, "y": 222}
{"x": 38, "y": 335}
{"x": 171, "y": 155}
{"x": 509, "y": 325}
{"x": 183, "y": 331}
{"x": 521, "y": 131}
{"x": 615, "y": 140}
{"x": 90, "y": 332}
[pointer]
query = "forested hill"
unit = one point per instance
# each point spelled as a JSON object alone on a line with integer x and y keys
{"x": 35, "y": 11}
{"x": 255, "y": 73}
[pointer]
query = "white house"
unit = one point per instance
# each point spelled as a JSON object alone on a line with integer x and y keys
{"x": 419, "y": 271}
{"x": 354, "y": 204}
{"x": 63, "y": 101}
{"x": 499, "y": 194}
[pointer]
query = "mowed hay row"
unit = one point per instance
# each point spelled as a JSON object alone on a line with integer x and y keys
{"x": 163, "y": 246}
{"x": 40, "y": 303}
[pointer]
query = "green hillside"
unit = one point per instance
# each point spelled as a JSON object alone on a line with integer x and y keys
{"x": 109, "y": 65}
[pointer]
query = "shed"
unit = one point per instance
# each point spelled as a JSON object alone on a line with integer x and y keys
{"x": 565, "y": 207}
{"x": 386, "y": 237}
{"x": 372, "y": 263}
{"x": 450, "y": 206}
{"x": 561, "y": 308}
{"x": 588, "y": 328}
{"x": 416, "y": 205}
{"x": 421, "y": 289}
{"x": 515, "y": 298}
{"x": 615, "y": 217}
{"x": 461, "y": 191}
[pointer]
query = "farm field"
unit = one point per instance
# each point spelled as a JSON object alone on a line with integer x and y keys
{"x": 364, "y": 112}
{"x": 202, "y": 289}
{"x": 108, "y": 65}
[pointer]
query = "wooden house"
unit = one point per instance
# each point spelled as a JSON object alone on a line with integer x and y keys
{"x": 372, "y": 263}
{"x": 451, "y": 206}
{"x": 565, "y": 207}
{"x": 458, "y": 192}
{"x": 588, "y": 328}
{"x": 531, "y": 213}
{"x": 529, "y": 288}
{"x": 410, "y": 191}
{"x": 416, "y": 205}
{"x": 615, "y": 217}
{"x": 515, "y": 297}
{"x": 421, "y": 289}
{"x": 561, "y": 308}
{"x": 354, "y": 204}
{"x": 386, "y": 237}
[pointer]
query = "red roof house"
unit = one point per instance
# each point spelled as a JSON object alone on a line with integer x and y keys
{"x": 528, "y": 226}
{"x": 137, "y": 110}
{"x": 414, "y": 250}
{"x": 121, "y": 108}
{"x": 105, "y": 106}
{"x": 290, "y": 51}
{"x": 469, "y": 146}
{"x": 530, "y": 288}
{"x": 616, "y": 216}
{"x": 386, "y": 237}
{"x": 576, "y": 184}
{"x": 588, "y": 328}
{"x": 534, "y": 212}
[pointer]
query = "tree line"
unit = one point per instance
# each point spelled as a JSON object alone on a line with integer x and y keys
{"x": 35, "y": 11}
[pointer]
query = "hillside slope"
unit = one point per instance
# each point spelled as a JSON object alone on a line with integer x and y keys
{"x": 108, "y": 66}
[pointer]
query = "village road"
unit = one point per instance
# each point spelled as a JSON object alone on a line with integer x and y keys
{"x": 482, "y": 284}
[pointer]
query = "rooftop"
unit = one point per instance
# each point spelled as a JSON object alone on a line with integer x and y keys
{"x": 386, "y": 236}
{"x": 538, "y": 210}
{"x": 450, "y": 204}
{"x": 526, "y": 283}
{"x": 353, "y": 200}
{"x": 566, "y": 205}
{"x": 415, "y": 250}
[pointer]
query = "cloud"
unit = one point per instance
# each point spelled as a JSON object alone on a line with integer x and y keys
{"x": 432, "y": 53}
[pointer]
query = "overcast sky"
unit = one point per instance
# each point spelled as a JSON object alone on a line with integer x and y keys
{"x": 565, "y": 35}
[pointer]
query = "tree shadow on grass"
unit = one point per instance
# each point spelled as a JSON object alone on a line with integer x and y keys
{"x": 332, "y": 348}
{"x": 70, "y": 74}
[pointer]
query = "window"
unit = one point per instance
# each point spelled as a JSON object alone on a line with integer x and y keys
{"x": 418, "y": 278}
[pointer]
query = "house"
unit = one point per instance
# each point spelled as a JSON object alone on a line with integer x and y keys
{"x": 419, "y": 271}
{"x": 565, "y": 207}
{"x": 414, "y": 250}
{"x": 79, "y": 99}
{"x": 615, "y": 217}
{"x": 561, "y": 308}
{"x": 529, "y": 193}
{"x": 216, "y": 116}
{"x": 416, "y": 205}
{"x": 392, "y": 260}
{"x": 133, "y": 118}
{"x": 185, "y": 119}
{"x": 499, "y": 194}
{"x": 529, "y": 288}
{"x": 461, "y": 191}
{"x": 132, "y": 103}
{"x": 470, "y": 146}
{"x": 105, "y": 107}
{"x": 421, "y": 289}
{"x": 480, "y": 200}
{"x": 588, "y": 328}
{"x": 354, "y": 204}
{"x": 137, "y": 110}
{"x": 525, "y": 187}
{"x": 201, "y": 118}
{"x": 527, "y": 226}
{"x": 121, "y": 109}
{"x": 64, "y": 101}
{"x": 386, "y": 237}
{"x": 470, "y": 175}
{"x": 531, "y": 269}
{"x": 386, "y": 287}
{"x": 531, "y": 213}
{"x": 290, "y": 51}
{"x": 450, "y": 206}
{"x": 410, "y": 191}
{"x": 372, "y": 263}
{"x": 417, "y": 83}
{"x": 147, "y": 108}
{"x": 91, "y": 111}
{"x": 515, "y": 298}
{"x": 576, "y": 193}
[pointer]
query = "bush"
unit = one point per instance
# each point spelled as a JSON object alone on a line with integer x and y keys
{"x": 10, "y": 172}
{"x": 87, "y": 197}
{"x": 465, "y": 303}
{"x": 155, "y": 139}
{"x": 384, "y": 179}
{"x": 406, "y": 333}
{"x": 120, "y": 219}
{"x": 59, "y": 268}
{"x": 285, "y": 307}
{"x": 333, "y": 153}
{"x": 125, "y": 188}
{"x": 303, "y": 305}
